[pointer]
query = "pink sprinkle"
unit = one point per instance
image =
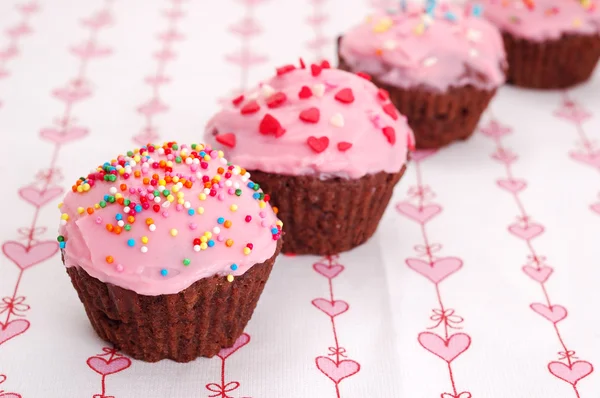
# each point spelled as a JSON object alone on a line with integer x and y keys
{"x": 98, "y": 220}
{"x": 214, "y": 154}
{"x": 194, "y": 167}
{"x": 193, "y": 226}
{"x": 192, "y": 179}
{"x": 165, "y": 214}
{"x": 150, "y": 196}
{"x": 132, "y": 190}
{"x": 179, "y": 207}
{"x": 140, "y": 189}
{"x": 262, "y": 214}
{"x": 119, "y": 267}
{"x": 145, "y": 170}
{"x": 263, "y": 223}
{"x": 170, "y": 156}
{"x": 220, "y": 238}
{"x": 221, "y": 196}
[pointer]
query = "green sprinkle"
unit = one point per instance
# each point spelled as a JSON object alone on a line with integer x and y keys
{"x": 186, "y": 261}
{"x": 60, "y": 238}
{"x": 166, "y": 192}
{"x": 112, "y": 177}
{"x": 156, "y": 192}
{"x": 175, "y": 146}
{"x": 256, "y": 187}
{"x": 178, "y": 158}
{"x": 127, "y": 227}
{"x": 126, "y": 202}
{"x": 238, "y": 192}
{"x": 129, "y": 153}
{"x": 111, "y": 199}
{"x": 102, "y": 204}
{"x": 193, "y": 146}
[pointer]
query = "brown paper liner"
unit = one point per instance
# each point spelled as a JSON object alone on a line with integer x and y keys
{"x": 199, "y": 321}
{"x": 330, "y": 216}
{"x": 551, "y": 64}
{"x": 437, "y": 118}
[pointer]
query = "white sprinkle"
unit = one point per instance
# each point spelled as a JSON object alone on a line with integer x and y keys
{"x": 427, "y": 19}
{"x": 236, "y": 185}
{"x": 126, "y": 209}
{"x": 156, "y": 199}
{"x": 473, "y": 35}
{"x": 236, "y": 170}
{"x": 337, "y": 120}
{"x": 216, "y": 230}
{"x": 63, "y": 222}
{"x": 132, "y": 163}
{"x": 267, "y": 90}
{"x": 152, "y": 227}
{"x": 473, "y": 52}
{"x": 196, "y": 161}
{"x": 196, "y": 248}
{"x": 252, "y": 96}
{"x": 120, "y": 223}
{"x": 144, "y": 249}
{"x": 228, "y": 183}
{"x": 198, "y": 174}
{"x": 112, "y": 190}
{"x": 161, "y": 151}
{"x": 206, "y": 191}
{"x": 166, "y": 204}
{"x": 318, "y": 90}
{"x": 188, "y": 160}
{"x": 430, "y": 61}
{"x": 161, "y": 188}
{"x": 389, "y": 44}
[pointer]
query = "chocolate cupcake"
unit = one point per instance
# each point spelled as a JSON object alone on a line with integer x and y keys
{"x": 327, "y": 144}
{"x": 169, "y": 248}
{"x": 441, "y": 67}
{"x": 550, "y": 44}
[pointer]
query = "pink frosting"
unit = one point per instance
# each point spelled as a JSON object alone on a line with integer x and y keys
{"x": 411, "y": 49}
{"x": 314, "y": 121}
{"x": 157, "y": 266}
{"x": 545, "y": 19}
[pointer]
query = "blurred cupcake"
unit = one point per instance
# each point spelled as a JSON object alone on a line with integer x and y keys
{"x": 169, "y": 248}
{"x": 328, "y": 146}
{"x": 441, "y": 66}
{"x": 549, "y": 43}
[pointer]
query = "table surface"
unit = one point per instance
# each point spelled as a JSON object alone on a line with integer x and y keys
{"x": 481, "y": 281}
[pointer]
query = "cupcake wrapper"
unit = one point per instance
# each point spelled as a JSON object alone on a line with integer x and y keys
{"x": 330, "y": 216}
{"x": 551, "y": 64}
{"x": 198, "y": 321}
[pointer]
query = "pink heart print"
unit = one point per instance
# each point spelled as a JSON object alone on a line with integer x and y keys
{"x": 157, "y": 80}
{"x": 589, "y": 158}
{"x": 25, "y": 258}
{"x": 328, "y": 271}
{"x": 595, "y": 207}
{"x": 571, "y": 374}
{"x": 512, "y": 185}
{"x": 106, "y": 367}
{"x": 62, "y": 136}
{"x": 421, "y": 214}
{"x": 19, "y": 30}
{"x": 152, "y": 107}
{"x": 331, "y": 308}
{"x": 38, "y": 197}
{"x": 495, "y": 130}
{"x": 90, "y": 50}
{"x": 239, "y": 343}
{"x": 72, "y": 93}
{"x": 526, "y": 232}
{"x": 463, "y": 394}
{"x": 337, "y": 371}
{"x": 554, "y": 313}
{"x": 540, "y": 274}
{"x": 4, "y": 73}
{"x": 422, "y": 154}
{"x": 449, "y": 349}
{"x": 246, "y": 27}
{"x": 12, "y": 329}
{"x": 436, "y": 271}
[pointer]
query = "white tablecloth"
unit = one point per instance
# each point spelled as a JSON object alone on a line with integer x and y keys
{"x": 482, "y": 280}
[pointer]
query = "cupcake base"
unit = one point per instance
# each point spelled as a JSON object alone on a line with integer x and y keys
{"x": 199, "y": 321}
{"x": 437, "y": 118}
{"x": 551, "y": 64}
{"x": 325, "y": 217}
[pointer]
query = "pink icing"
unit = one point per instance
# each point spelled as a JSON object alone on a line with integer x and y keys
{"x": 89, "y": 243}
{"x": 547, "y": 19}
{"x": 410, "y": 49}
{"x": 339, "y": 127}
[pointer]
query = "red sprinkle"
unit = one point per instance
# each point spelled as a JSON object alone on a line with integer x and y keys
{"x": 383, "y": 94}
{"x": 390, "y": 134}
{"x": 343, "y": 146}
{"x": 285, "y": 69}
{"x": 270, "y": 125}
{"x": 276, "y": 100}
{"x": 318, "y": 144}
{"x": 364, "y": 75}
{"x": 310, "y": 115}
{"x": 250, "y": 107}
{"x": 227, "y": 139}
{"x": 315, "y": 70}
{"x": 390, "y": 109}
{"x": 345, "y": 95}
{"x": 305, "y": 92}
{"x": 237, "y": 100}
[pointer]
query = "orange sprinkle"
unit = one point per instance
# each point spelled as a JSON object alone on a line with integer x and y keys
{"x": 131, "y": 219}
{"x": 109, "y": 259}
{"x": 123, "y": 187}
{"x": 242, "y": 171}
{"x": 379, "y": 52}
{"x": 162, "y": 164}
{"x": 149, "y": 221}
{"x": 118, "y": 230}
{"x": 188, "y": 184}
{"x": 275, "y": 209}
{"x": 146, "y": 181}
{"x": 90, "y": 210}
{"x": 220, "y": 170}
{"x": 227, "y": 224}
{"x": 109, "y": 227}
{"x": 229, "y": 242}
{"x": 74, "y": 188}
{"x": 121, "y": 200}
{"x": 155, "y": 176}
{"x": 168, "y": 179}
{"x": 137, "y": 173}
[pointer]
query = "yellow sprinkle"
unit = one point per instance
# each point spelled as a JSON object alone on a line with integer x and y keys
{"x": 180, "y": 201}
{"x": 217, "y": 177}
{"x": 137, "y": 158}
{"x": 202, "y": 196}
{"x": 180, "y": 195}
{"x": 96, "y": 205}
{"x": 420, "y": 29}
{"x": 247, "y": 251}
{"x": 221, "y": 154}
{"x": 203, "y": 246}
{"x": 208, "y": 234}
{"x": 162, "y": 182}
{"x": 200, "y": 210}
{"x": 86, "y": 187}
{"x": 64, "y": 216}
{"x": 262, "y": 204}
{"x": 175, "y": 189}
{"x": 80, "y": 189}
{"x": 118, "y": 196}
{"x": 170, "y": 198}
{"x": 174, "y": 232}
{"x": 279, "y": 223}
{"x": 144, "y": 239}
{"x": 233, "y": 207}
{"x": 80, "y": 210}
{"x": 207, "y": 157}
{"x": 383, "y": 25}
{"x": 229, "y": 278}
{"x": 203, "y": 239}
{"x": 121, "y": 171}
{"x": 175, "y": 179}
{"x": 60, "y": 205}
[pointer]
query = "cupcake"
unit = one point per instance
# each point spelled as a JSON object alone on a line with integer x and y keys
{"x": 327, "y": 144}
{"x": 549, "y": 43}
{"x": 441, "y": 67}
{"x": 169, "y": 248}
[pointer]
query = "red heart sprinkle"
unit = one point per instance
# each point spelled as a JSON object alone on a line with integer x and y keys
{"x": 383, "y": 94}
{"x": 227, "y": 139}
{"x": 345, "y": 95}
{"x": 315, "y": 70}
{"x": 302, "y": 64}
{"x": 305, "y": 92}
{"x": 285, "y": 69}
{"x": 390, "y": 134}
{"x": 318, "y": 144}
{"x": 390, "y": 109}
{"x": 325, "y": 64}
{"x": 250, "y": 107}
{"x": 276, "y": 100}
{"x": 310, "y": 115}
{"x": 343, "y": 146}
{"x": 238, "y": 100}
{"x": 270, "y": 125}
{"x": 364, "y": 75}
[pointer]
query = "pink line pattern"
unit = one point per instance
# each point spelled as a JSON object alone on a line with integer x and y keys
{"x": 4, "y": 394}
{"x": 569, "y": 368}
{"x": 316, "y": 20}
{"x": 15, "y": 34}
{"x": 222, "y": 388}
{"x": 107, "y": 363}
{"x": 446, "y": 344}
{"x": 587, "y": 151}
{"x": 335, "y": 365}
{"x": 45, "y": 188}
{"x": 166, "y": 53}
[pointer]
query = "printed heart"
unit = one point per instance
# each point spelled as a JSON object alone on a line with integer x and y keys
{"x": 328, "y": 271}
{"x": 337, "y": 371}
{"x": 63, "y": 136}
{"x": 310, "y": 115}
{"x": 331, "y": 308}
{"x": 595, "y": 207}
{"x": 251, "y": 107}
{"x": 157, "y": 80}
{"x": 227, "y": 139}
{"x": 39, "y": 197}
{"x": 571, "y": 374}
{"x": 422, "y": 154}
{"x": 345, "y": 96}
{"x": 589, "y": 158}
{"x": 439, "y": 270}
{"x": 12, "y": 329}
{"x": 152, "y": 107}
{"x": 391, "y": 110}
{"x": 463, "y": 394}
{"x": 419, "y": 214}
{"x": 449, "y": 349}
{"x": 540, "y": 275}
{"x": 105, "y": 367}
{"x": 270, "y": 125}
{"x": 512, "y": 185}
{"x": 343, "y": 146}
{"x": 24, "y": 258}
{"x": 239, "y": 343}
{"x": 554, "y": 313}
{"x": 305, "y": 92}
{"x": 276, "y": 100}
{"x": 528, "y": 232}
{"x": 318, "y": 144}
{"x": 72, "y": 94}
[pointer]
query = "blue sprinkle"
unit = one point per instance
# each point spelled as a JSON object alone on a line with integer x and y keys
{"x": 130, "y": 242}
{"x": 164, "y": 272}
{"x": 250, "y": 184}
{"x": 477, "y": 10}
{"x": 202, "y": 153}
{"x": 138, "y": 208}
{"x": 220, "y": 220}
{"x": 450, "y": 16}
{"x": 256, "y": 195}
{"x": 191, "y": 212}
{"x": 274, "y": 231}
{"x": 210, "y": 243}
{"x": 119, "y": 217}
{"x": 106, "y": 197}
{"x": 234, "y": 267}
{"x": 62, "y": 245}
